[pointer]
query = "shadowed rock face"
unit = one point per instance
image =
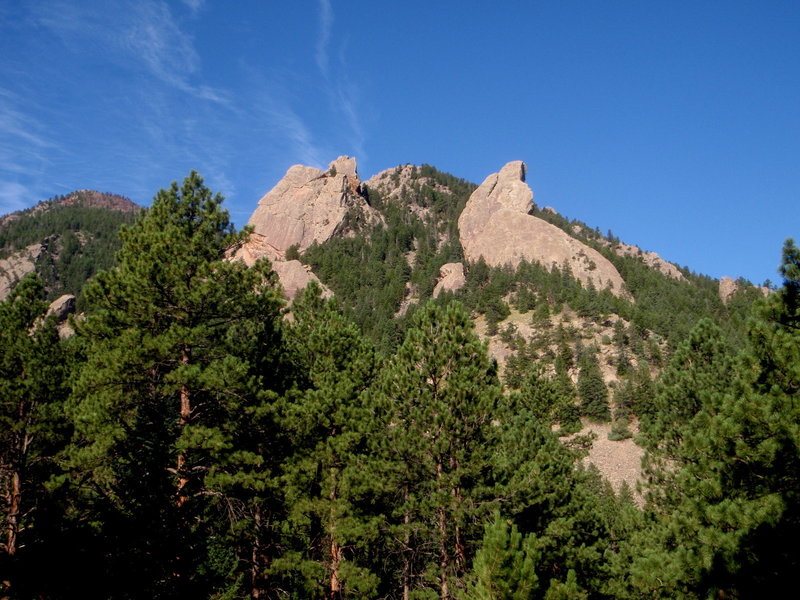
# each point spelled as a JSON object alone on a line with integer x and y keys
{"x": 496, "y": 225}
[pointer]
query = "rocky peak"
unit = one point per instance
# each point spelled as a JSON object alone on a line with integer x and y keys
{"x": 651, "y": 259}
{"x": 496, "y": 224}
{"x": 309, "y": 205}
{"x": 728, "y": 287}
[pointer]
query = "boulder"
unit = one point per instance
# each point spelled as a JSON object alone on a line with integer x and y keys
{"x": 61, "y": 307}
{"x": 451, "y": 278}
{"x": 496, "y": 224}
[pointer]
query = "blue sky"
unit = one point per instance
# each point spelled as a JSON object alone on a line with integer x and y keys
{"x": 674, "y": 124}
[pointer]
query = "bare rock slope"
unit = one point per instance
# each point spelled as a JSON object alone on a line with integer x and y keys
{"x": 497, "y": 225}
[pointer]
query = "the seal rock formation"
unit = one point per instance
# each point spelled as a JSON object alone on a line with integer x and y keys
{"x": 496, "y": 224}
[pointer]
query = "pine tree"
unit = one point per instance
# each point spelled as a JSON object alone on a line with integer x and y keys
{"x": 504, "y": 566}
{"x": 729, "y": 515}
{"x": 592, "y": 389}
{"x": 172, "y": 409}
{"x": 441, "y": 392}
{"x": 329, "y": 482}
{"x": 32, "y": 390}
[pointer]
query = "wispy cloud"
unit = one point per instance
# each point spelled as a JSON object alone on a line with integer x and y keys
{"x": 325, "y": 26}
{"x": 24, "y": 146}
{"x": 342, "y": 92}
{"x": 284, "y": 119}
{"x": 195, "y": 5}
{"x": 135, "y": 32}
{"x": 13, "y": 197}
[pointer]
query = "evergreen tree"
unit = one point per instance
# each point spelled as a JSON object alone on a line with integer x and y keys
{"x": 329, "y": 480}
{"x": 592, "y": 388}
{"x": 441, "y": 392}
{"x": 32, "y": 390}
{"x": 172, "y": 408}
{"x": 730, "y": 515}
{"x": 504, "y": 566}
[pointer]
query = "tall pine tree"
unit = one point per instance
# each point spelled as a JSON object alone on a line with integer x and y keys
{"x": 172, "y": 407}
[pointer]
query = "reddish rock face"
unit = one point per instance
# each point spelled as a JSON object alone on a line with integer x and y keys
{"x": 496, "y": 225}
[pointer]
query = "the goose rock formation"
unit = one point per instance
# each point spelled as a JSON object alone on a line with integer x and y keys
{"x": 496, "y": 224}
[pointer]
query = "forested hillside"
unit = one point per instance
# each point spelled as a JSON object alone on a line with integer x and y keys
{"x": 193, "y": 440}
{"x": 65, "y": 240}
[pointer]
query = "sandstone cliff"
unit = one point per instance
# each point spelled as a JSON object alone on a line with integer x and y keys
{"x": 306, "y": 206}
{"x": 309, "y": 205}
{"x": 497, "y": 225}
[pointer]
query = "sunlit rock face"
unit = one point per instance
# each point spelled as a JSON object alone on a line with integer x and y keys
{"x": 496, "y": 224}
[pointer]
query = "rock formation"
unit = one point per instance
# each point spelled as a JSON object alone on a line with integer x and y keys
{"x": 728, "y": 287}
{"x": 306, "y": 206}
{"x": 16, "y": 266}
{"x": 451, "y": 278}
{"x": 496, "y": 224}
{"x": 62, "y": 307}
{"x": 651, "y": 259}
{"x": 309, "y": 205}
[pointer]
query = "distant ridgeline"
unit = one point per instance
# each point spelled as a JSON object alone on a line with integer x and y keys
{"x": 65, "y": 240}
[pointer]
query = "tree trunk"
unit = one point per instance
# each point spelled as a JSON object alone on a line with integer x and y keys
{"x": 183, "y": 420}
{"x": 444, "y": 554}
{"x": 407, "y": 547}
{"x": 258, "y": 559}
{"x": 12, "y": 518}
{"x": 336, "y": 548}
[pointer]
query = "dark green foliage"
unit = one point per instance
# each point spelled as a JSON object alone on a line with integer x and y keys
{"x": 441, "y": 393}
{"x": 371, "y": 275}
{"x": 549, "y": 400}
{"x": 504, "y": 566}
{"x": 80, "y": 240}
{"x": 172, "y": 406}
{"x": 329, "y": 480}
{"x": 592, "y": 389}
{"x": 726, "y": 511}
{"x": 32, "y": 391}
